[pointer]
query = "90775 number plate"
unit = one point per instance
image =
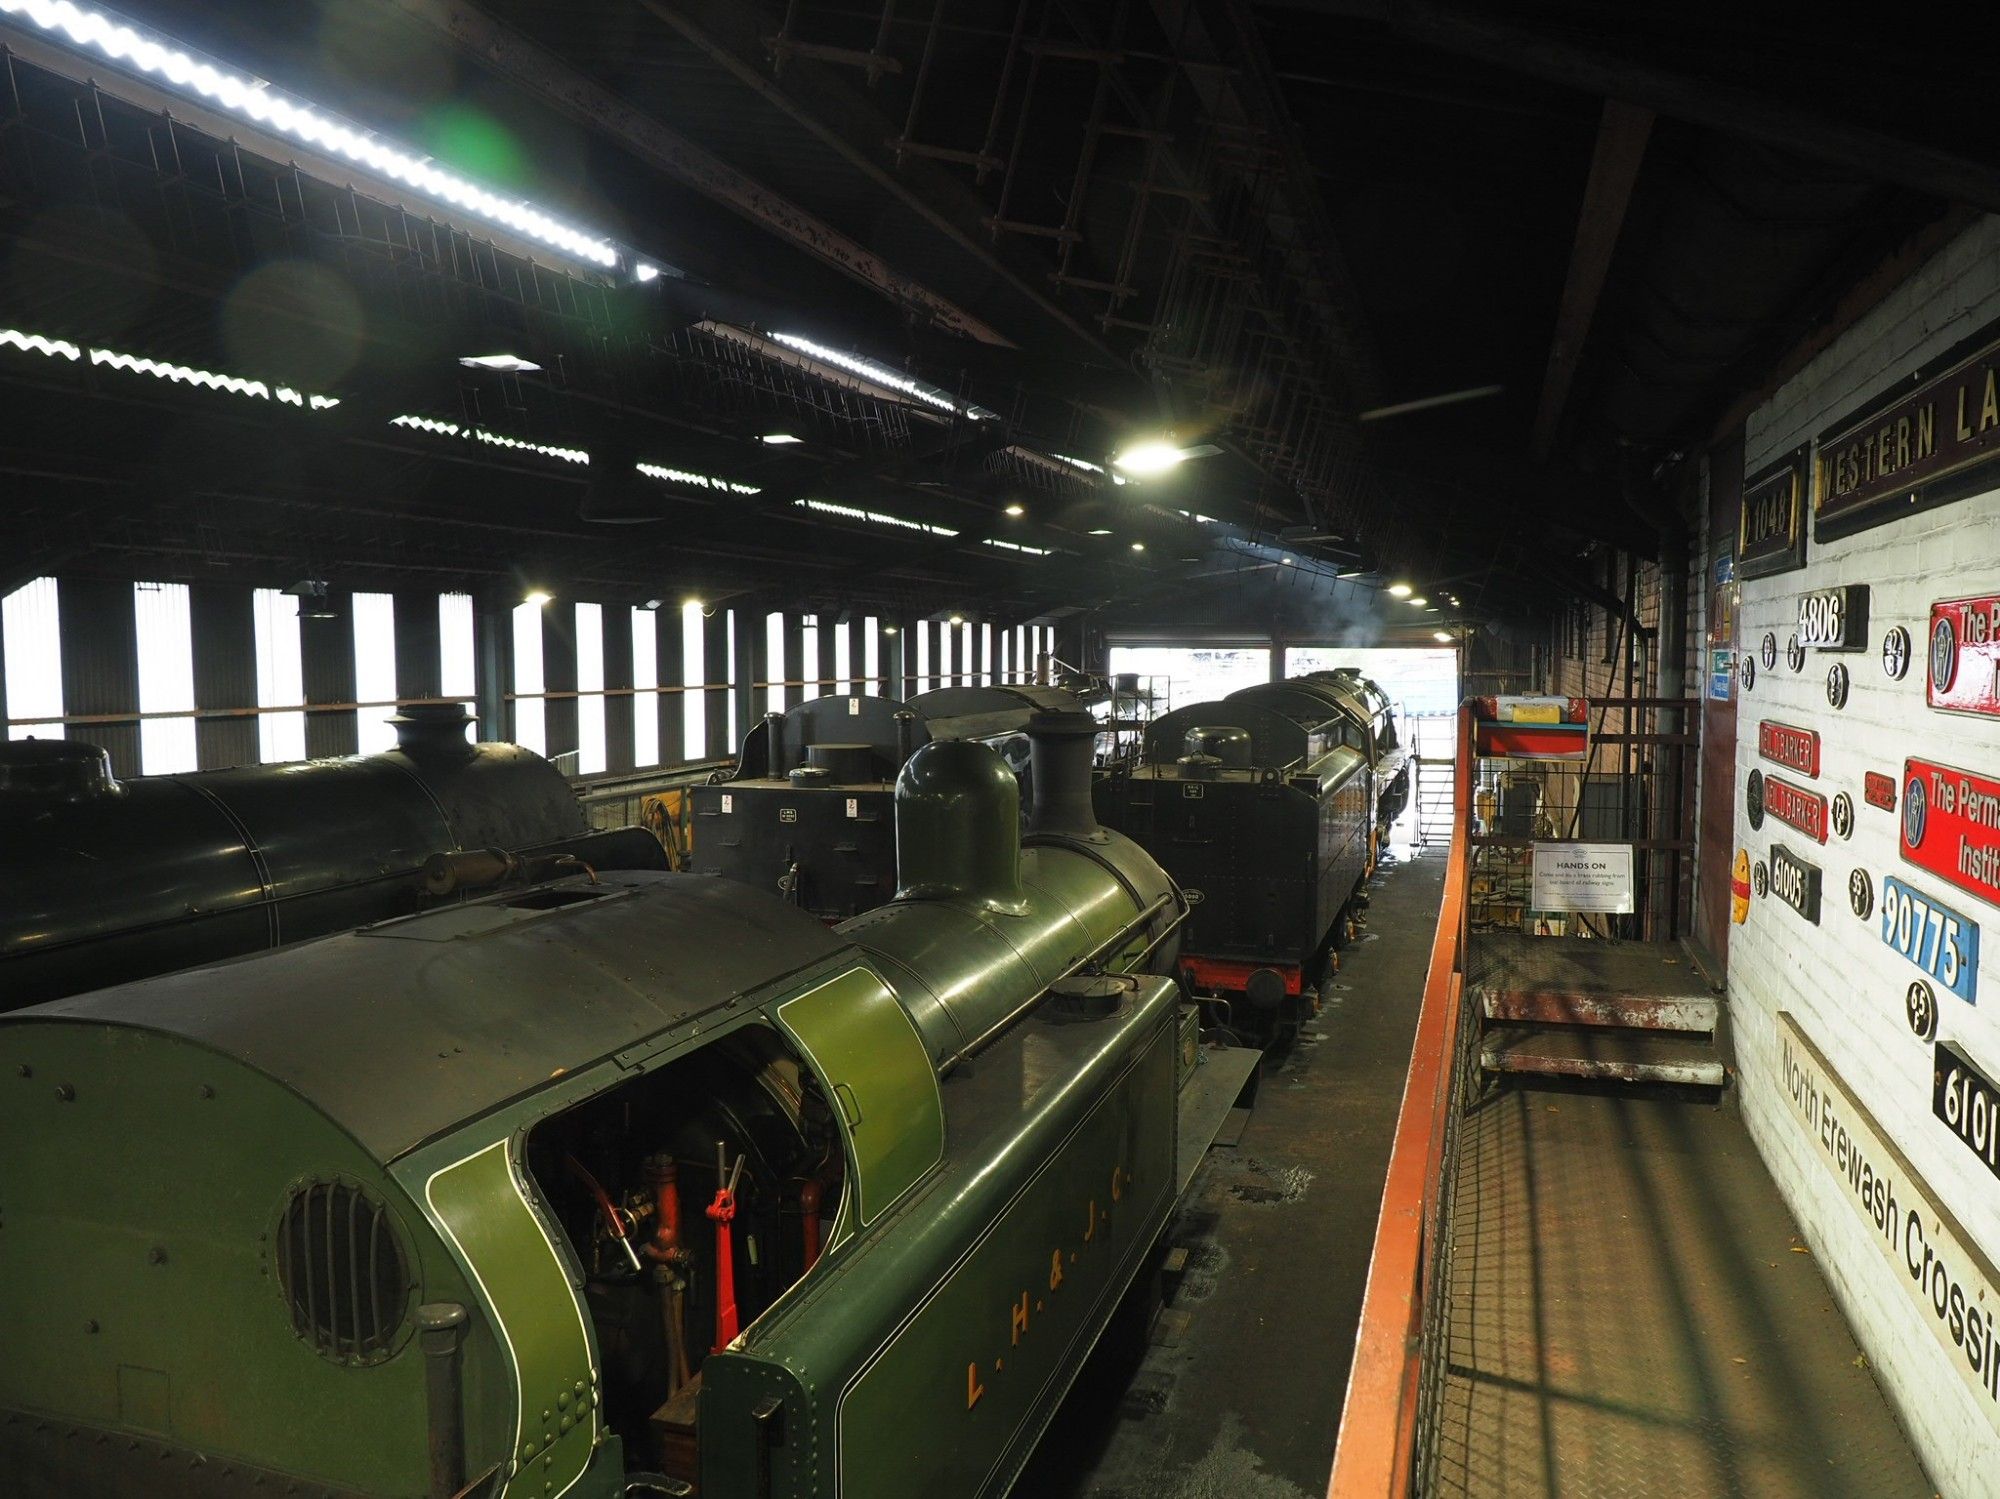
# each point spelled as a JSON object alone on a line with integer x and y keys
{"x": 1931, "y": 935}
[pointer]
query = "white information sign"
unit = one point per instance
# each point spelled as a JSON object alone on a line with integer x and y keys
{"x": 1582, "y": 877}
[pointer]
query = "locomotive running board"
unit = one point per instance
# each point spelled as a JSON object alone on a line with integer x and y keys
{"x": 1225, "y": 1075}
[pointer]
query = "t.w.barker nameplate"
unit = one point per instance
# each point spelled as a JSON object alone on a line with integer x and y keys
{"x": 1907, "y": 452}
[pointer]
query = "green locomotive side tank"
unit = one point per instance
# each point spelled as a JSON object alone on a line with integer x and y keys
{"x": 419, "y": 1210}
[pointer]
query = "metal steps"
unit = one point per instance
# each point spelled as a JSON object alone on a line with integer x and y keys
{"x": 1609, "y": 1055}
{"x": 1614, "y": 1012}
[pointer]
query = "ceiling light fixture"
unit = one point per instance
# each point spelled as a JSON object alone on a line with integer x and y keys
{"x": 1442, "y": 636}
{"x": 539, "y": 597}
{"x": 1100, "y": 531}
{"x": 889, "y": 630}
{"x": 1400, "y": 590}
{"x": 1017, "y": 510}
{"x": 1419, "y": 602}
{"x": 513, "y": 364}
{"x": 1138, "y": 546}
{"x": 161, "y": 60}
{"x": 779, "y": 439}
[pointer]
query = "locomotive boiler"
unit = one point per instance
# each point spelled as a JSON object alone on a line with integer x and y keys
{"x": 106, "y": 880}
{"x": 809, "y": 810}
{"x": 654, "y": 1185}
{"x": 1269, "y": 807}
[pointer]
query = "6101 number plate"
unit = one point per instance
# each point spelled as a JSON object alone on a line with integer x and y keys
{"x": 1931, "y": 935}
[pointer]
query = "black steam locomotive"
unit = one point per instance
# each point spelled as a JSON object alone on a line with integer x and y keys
{"x": 1269, "y": 808}
{"x": 809, "y": 811}
{"x": 103, "y": 881}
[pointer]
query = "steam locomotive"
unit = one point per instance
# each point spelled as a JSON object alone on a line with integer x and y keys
{"x": 109, "y": 880}
{"x": 652, "y": 1184}
{"x": 1269, "y": 807}
{"x": 808, "y": 812}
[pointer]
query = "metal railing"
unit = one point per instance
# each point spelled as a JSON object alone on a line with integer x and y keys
{"x": 1388, "y": 1426}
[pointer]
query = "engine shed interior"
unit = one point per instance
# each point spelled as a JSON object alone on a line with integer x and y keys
{"x": 937, "y": 749}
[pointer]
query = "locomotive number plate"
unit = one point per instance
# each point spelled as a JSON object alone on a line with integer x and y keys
{"x": 1951, "y": 826}
{"x": 1795, "y": 882}
{"x": 1944, "y": 944}
{"x": 1795, "y": 749}
{"x": 1968, "y": 1103}
{"x": 1796, "y": 807}
{"x": 1879, "y": 789}
{"x": 1834, "y": 619}
{"x": 1964, "y": 656}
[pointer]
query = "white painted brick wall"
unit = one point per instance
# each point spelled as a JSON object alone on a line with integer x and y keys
{"x": 1842, "y": 982}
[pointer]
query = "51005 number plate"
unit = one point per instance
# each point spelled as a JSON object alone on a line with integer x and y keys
{"x": 1931, "y": 935}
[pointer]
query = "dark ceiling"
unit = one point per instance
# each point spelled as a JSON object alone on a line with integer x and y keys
{"x": 1264, "y": 226}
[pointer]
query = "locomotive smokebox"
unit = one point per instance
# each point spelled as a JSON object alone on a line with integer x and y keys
{"x": 958, "y": 827}
{"x": 1061, "y": 746}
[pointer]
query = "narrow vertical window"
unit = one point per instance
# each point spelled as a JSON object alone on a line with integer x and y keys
{"x": 694, "y": 679}
{"x": 375, "y": 670}
{"x": 871, "y": 655}
{"x": 924, "y": 682}
{"x": 843, "y": 662}
{"x": 33, "y": 643}
{"x": 281, "y": 677}
{"x": 590, "y": 744}
{"x": 645, "y": 688}
{"x": 968, "y": 672}
{"x": 530, "y": 729}
{"x": 729, "y": 681}
{"x": 458, "y": 672}
{"x": 989, "y": 669}
{"x": 809, "y": 655}
{"x": 774, "y": 668}
{"x": 166, "y": 677}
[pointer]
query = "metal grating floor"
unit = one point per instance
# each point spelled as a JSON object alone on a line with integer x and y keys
{"x": 1632, "y": 1313}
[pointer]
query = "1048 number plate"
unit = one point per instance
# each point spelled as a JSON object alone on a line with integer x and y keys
{"x": 1931, "y": 935}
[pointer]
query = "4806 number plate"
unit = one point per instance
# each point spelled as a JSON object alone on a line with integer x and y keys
{"x": 1931, "y": 935}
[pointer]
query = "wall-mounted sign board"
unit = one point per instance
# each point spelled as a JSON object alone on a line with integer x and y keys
{"x": 1898, "y": 1210}
{"x": 1909, "y": 449}
{"x": 1771, "y": 537}
{"x": 1796, "y": 807}
{"x": 1951, "y": 825}
{"x": 1963, "y": 672}
{"x": 1967, "y": 1102}
{"x": 1834, "y": 619}
{"x": 1931, "y": 935}
{"x": 1795, "y": 749}
{"x": 1795, "y": 882}
{"x": 1582, "y": 877}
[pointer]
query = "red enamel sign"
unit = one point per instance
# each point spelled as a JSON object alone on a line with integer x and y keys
{"x": 1880, "y": 790}
{"x": 1795, "y": 749}
{"x": 1964, "y": 656}
{"x": 1796, "y": 806}
{"x": 1951, "y": 825}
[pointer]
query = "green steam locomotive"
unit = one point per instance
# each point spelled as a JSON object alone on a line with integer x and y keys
{"x": 643, "y": 1184}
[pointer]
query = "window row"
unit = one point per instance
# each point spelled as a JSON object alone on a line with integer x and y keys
{"x": 172, "y": 678}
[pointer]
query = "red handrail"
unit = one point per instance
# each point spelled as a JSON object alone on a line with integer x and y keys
{"x": 1376, "y": 1451}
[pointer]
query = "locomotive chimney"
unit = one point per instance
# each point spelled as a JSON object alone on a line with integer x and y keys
{"x": 432, "y": 729}
{"x": 958, "y": 827}
{"x": 1060, "y": 751}
{"x": 776, "y": 760}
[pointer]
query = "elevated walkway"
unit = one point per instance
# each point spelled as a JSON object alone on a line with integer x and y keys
{"x": 1584, "y": 1282}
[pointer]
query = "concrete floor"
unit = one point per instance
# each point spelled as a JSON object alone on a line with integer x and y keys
{"x": 1238, "y": 1395}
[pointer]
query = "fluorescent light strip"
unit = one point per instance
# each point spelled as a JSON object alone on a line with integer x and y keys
{"x": 1015, "y": 546}
{"x": 874, "y": 517}
{"x": 698, "y": 481}
{"x": 158, "y": 58}
{"x": 880, "y": 374}
{"x": 492, "y": 439}
{"x": 180, "y": 374}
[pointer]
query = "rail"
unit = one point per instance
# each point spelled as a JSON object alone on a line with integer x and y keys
{"x": 1398, "y": 1362}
